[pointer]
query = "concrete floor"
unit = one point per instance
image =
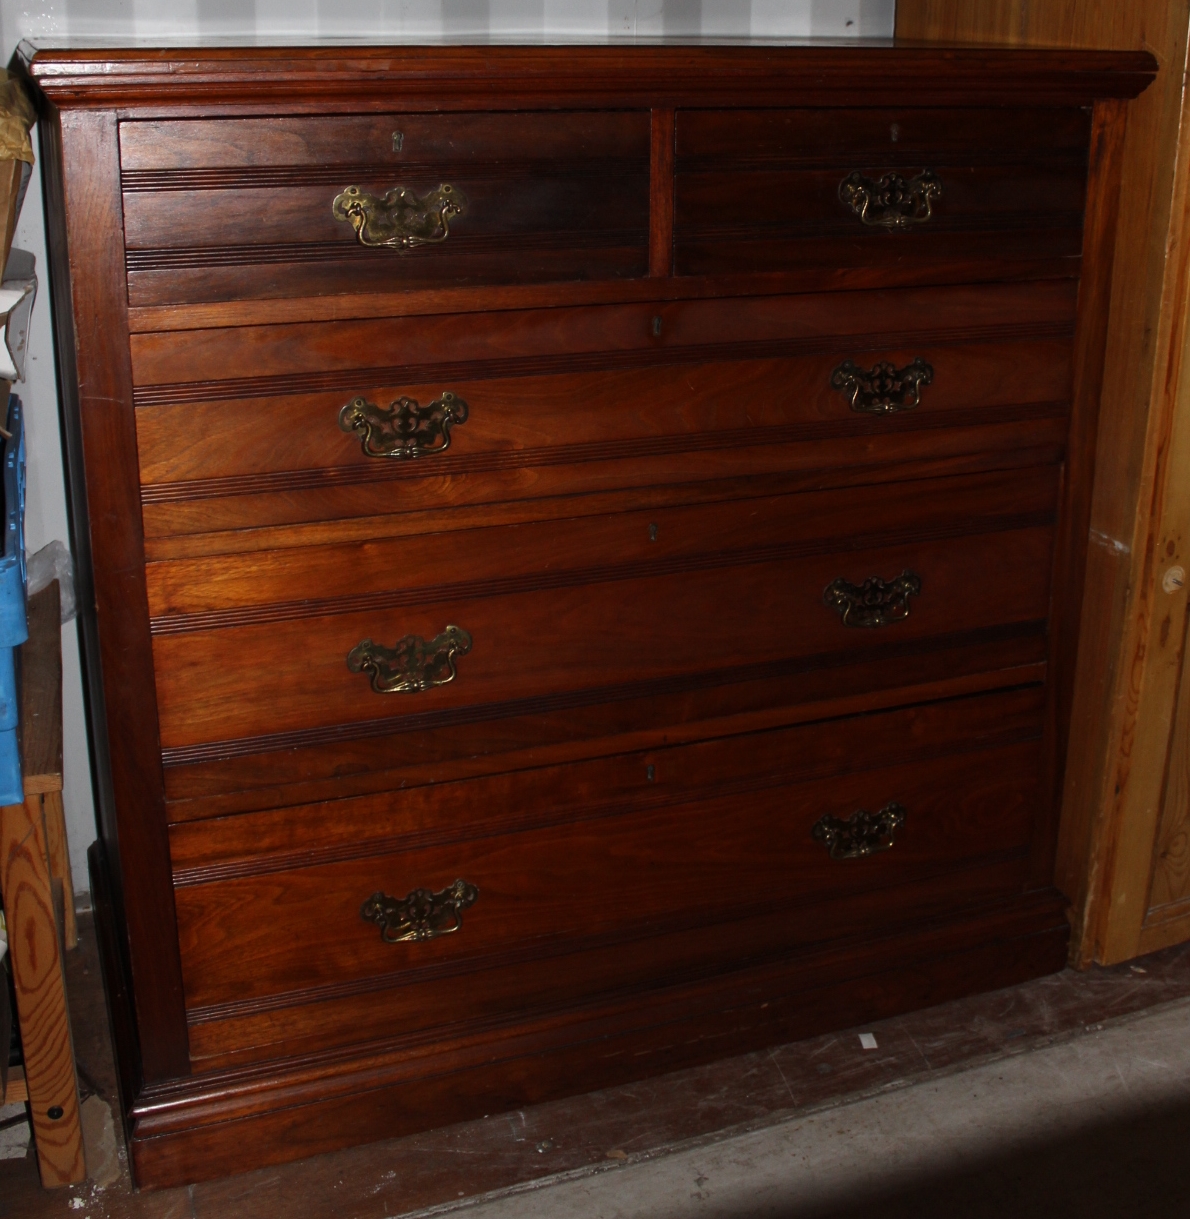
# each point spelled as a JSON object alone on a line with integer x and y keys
{"x": 1098, "y": 1125}
{"x": 1068, "y": 1095}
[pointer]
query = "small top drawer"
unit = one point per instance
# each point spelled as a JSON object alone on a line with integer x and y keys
{"x": 781, "y": 189}
{"x": 252, "y": 208}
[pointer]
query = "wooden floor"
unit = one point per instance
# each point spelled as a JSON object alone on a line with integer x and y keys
{"x": 752, "y": 1091}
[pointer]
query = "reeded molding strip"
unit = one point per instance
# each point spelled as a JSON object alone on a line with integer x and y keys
{"x": 282, "y": 611}
{"x": 482, "y": 173}
{"x": 568, "y": 700}
{"x": 288, "y": 481}
{"x": 354, "y": 379}
{"x": 736, "y": 231}
{"x": 174, "y": 258}
{"x": 747, "y": 158}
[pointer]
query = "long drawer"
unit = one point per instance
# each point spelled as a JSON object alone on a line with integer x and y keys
{"x": 781, "y": 189}
{"x": 572, "y": 885}
{"x": 599, "y": 612}
{"x": 249, "y": 208}
{"x": 483, "y": 413}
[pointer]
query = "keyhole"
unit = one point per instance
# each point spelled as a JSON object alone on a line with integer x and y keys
{"x": 649, "y": 773}
{"x": 398, "y": 140}
{"x": 652, "y": 533}
{"x": 657, "y": 327}
{"x": 895, "y": 132}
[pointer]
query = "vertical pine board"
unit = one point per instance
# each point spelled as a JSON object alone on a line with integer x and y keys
{"x": 38, "y": 978}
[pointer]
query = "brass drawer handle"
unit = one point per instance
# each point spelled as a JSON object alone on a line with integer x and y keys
{"x": 875, "y": 602}
{"x": 420, "y": 915}
{"x": 863, "y": 833}
{"x": 411, "y": 665}
{"x": 400, "y": 219}
{"x": 404, "y": 429}
{"x": 884, "y": 389}
{"x": 891, "y": 202}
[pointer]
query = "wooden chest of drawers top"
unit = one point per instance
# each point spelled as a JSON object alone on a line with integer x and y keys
{"x": 552, "y": 490}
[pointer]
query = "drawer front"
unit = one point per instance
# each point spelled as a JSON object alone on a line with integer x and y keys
{"x": 574, "y": 886}
{"x": 227, "y": 590}
{"x": 739, "y": 599}
{"x": 246, "y": 208}
{"x": 773, "y": 190}
{"x": 791, "y": 391}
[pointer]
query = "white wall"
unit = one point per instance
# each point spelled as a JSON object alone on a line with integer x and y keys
{"x": 378, "y": 20}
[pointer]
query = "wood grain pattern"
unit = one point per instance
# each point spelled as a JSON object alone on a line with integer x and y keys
{"x": 416, "y": 815}
{"x": 182, "y": 1136}
{"x": 41, "y": 687}
{"x": 40, "y": 985}
{"x": 792, "y": 187}
{"x": 1127, "y": 666}
{"x": 933, "y": 267}
{"x": 326, "y": 80}
{"x": 87, "y": 242}
{"x": 545, "y": 891}
{"x": 551, "y": 419}
{"x": 661, "y": 193}
{"x": 636, "y": 524}
{"x": 340, "y": 769}
{"x": 585, "y": 631}
{"x": 534, "y": 497}
{"x": 17, "y": 1091}
{"x": 275, "y": 586}
{"x": 1171, "y": 869}
{"x": 329, "y": 142}
{"x": 1070, "y": 560}
{"x": 888, "y": 138}
{"x": 189, "y": 363}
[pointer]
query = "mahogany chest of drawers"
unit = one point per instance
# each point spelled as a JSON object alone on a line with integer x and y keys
{"x": 582, "y": 550}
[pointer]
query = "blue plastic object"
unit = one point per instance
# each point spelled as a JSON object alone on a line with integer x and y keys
{"x": 14, "y": 626}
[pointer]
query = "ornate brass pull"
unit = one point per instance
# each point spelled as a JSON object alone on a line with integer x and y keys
{"x": 891, "y": 203}
{"x": 875, "y": 602}
{"x": 420, "y": 915}
{"x": 400, "y": 219}
{"x": 863, "y": 833}
{"x": 411, "y": 665}
{"x": 404, "y": 428}
{"x": 885, "y": 389}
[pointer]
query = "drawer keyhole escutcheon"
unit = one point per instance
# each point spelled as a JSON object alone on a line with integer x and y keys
{"x": 863, "y": 833}
{"x": 890, "y": 202}
{"x": 404, "y": 429}
{"x": 420, "y": 915}
{"x": 875, "y": 602}
{"x": 412, "y": 664}
{"x": 883, "y": 389}
{"x": 399, "y": 219}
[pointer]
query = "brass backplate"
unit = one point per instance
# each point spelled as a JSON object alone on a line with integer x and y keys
{"x": 884, "y": 389}
{"x": 412, "y": 664}
{"x": 875, "y": 602}
{"x": 863, "y": 833}
{"x": 420, "y": 915}
{"x": 399, "y": 219}
{"x": 890, "y": 202}
{"x": 404, "y": 429}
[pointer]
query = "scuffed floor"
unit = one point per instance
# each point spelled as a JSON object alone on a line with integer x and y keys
{"x": 1050, "y": 1096}
{"x": 1093, "y": 1126}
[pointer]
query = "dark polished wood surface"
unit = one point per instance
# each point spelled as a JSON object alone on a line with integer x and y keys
{"x": 644, "y": 306}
